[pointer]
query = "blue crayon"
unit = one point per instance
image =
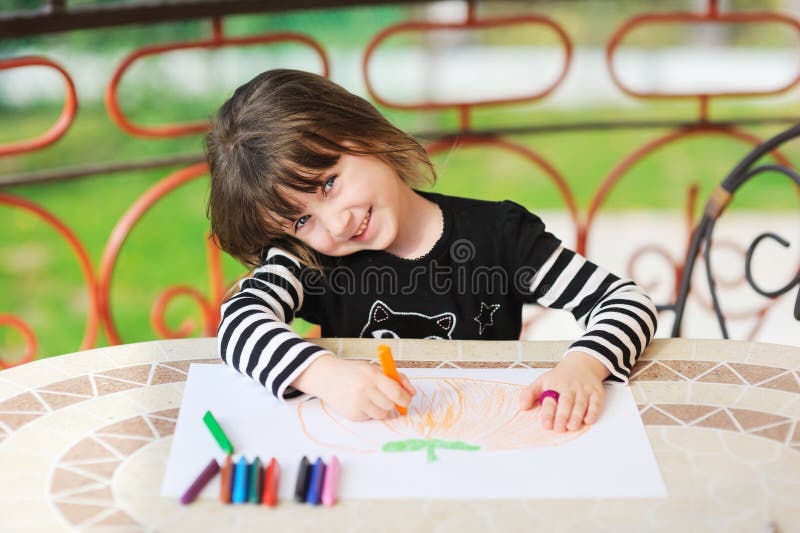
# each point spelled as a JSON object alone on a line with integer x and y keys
{"x": 240, "y": 481}
{"x": 315, "y": 485}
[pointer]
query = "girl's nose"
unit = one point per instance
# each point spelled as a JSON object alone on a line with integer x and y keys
{"x": 339, "y": 224}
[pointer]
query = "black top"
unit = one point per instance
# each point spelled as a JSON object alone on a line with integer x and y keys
{"x": 490, "y": 259}
{"x": 471, "y": 285}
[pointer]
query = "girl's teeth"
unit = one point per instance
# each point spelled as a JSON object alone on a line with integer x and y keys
{"x": 363, "y": 226}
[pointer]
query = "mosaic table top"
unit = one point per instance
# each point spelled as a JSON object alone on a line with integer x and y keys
{"x": 84, "y": 439}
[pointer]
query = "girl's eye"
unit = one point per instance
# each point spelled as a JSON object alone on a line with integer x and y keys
{"x": 300, "y": 222}
{"x": 328, "y": 185}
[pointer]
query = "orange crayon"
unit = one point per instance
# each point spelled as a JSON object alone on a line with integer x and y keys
{"x": 389, "y": 369}
{"x": 225, "y": 482}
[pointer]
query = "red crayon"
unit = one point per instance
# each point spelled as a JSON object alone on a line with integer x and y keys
{"x": 272, "y": 476}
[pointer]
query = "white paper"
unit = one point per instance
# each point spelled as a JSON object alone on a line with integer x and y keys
{"x": 454, "y": 408}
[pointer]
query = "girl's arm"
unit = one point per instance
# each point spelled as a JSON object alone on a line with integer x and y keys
{"x": 620, "y": 321}
{"x": 619, "y": 318}
{"x": 254, "y": 336}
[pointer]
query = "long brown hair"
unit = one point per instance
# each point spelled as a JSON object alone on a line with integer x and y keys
{"x": 279, "y": 132}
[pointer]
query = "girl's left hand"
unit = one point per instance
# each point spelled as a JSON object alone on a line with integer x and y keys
{"x": 578, "y": 380}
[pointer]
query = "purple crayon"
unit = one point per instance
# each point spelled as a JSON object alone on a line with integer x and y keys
{"x": 202, "y": 480}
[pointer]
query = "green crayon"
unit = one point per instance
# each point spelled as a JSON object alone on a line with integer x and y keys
{"x": 256, "y": 475}
{"x": 219, "y": 435}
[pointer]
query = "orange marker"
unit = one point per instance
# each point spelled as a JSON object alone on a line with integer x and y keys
{"x": 225, "y": 482}
{"x": 389, "y": 370}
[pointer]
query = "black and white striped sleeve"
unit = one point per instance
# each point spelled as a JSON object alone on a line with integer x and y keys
{"x": 254, "y": 336}
{"x": 619, "y": 318}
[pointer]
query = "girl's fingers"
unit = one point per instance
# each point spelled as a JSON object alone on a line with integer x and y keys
{"x": 529, "y": 395}
{"x": 406, "y": 383}
{"x": 377, "y": 411}
{"x": 578, "y": 412}
{"x": 383, "y": 401}
{"x": 548, "y": 412}
{"x": 595, "y": 405}
{"x": 358, "y": 417}
{"x": 392, "y": 392}
{"x": 565, "y": 402}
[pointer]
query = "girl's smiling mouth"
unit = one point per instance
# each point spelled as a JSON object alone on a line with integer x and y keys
{"x": 362, "y": 228}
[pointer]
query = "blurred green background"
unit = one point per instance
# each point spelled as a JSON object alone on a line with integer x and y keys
{"x": 40, "y": 278}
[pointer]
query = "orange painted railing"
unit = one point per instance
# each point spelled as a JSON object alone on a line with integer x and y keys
{"x": 99, "y": 285}
{"x": 217, "y": 41}
{"x": 64, "y": 120}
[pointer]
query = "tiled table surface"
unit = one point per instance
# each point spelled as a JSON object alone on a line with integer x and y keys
{"x": 84, "y": 439}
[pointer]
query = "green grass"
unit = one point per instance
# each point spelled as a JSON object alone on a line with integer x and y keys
{"x": 41, "y": 281}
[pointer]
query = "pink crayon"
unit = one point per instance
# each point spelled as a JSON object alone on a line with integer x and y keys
{"x": 330, "y": 486}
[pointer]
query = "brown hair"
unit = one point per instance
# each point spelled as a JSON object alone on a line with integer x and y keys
{"x": 279, "y": 132}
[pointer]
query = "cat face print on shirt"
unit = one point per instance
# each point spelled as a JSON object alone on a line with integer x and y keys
{"x": 385, "y": 323}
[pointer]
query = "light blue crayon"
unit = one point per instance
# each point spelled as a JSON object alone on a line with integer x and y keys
{"x": 240, "y": 481}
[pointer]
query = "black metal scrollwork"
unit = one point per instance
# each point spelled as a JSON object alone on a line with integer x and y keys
{"x": 748, "y": 272}
{"x": 702, "y": 236}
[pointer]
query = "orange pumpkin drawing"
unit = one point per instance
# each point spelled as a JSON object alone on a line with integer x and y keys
{"x": 446, "y": 413}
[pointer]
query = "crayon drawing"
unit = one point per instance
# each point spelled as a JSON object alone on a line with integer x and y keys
{"x": 463, "y": 437}
{"x": 446, "y": 413}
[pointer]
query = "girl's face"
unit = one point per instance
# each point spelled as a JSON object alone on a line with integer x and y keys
{"x": 356, "y": 208}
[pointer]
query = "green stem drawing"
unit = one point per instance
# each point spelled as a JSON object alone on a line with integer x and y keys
{"x": 429, "y": 445}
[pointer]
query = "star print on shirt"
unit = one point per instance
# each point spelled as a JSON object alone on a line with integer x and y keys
{"x": 484, "y": 318}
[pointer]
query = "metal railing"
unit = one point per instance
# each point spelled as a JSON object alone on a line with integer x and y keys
{"x": 59, "y": 17}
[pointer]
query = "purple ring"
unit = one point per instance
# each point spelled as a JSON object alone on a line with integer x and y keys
{"x": 549, "y": 393}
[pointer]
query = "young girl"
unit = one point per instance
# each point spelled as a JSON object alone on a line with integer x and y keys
{"x": 312, "y": 187}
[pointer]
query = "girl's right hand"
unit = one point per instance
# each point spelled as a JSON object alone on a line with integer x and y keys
{"x": 357, "y": 390}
